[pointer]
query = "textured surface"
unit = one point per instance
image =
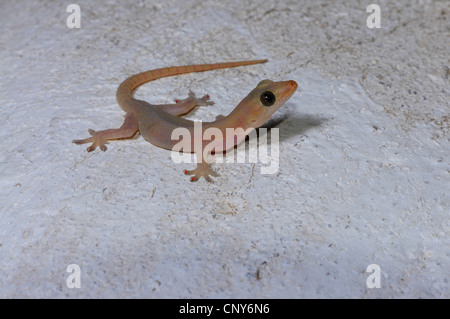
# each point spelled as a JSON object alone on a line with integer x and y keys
{"x": 364, "y": 171}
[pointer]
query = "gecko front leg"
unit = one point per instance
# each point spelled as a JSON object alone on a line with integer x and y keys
{"x": 193, "y": 100}
{"x": 203, "y": 169}
{"x": 184, "y": 106}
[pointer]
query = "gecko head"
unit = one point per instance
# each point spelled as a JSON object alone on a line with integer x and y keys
{"x": 266, "y": 99}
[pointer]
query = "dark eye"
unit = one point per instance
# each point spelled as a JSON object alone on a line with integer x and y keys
{"x": 267, "y": 98}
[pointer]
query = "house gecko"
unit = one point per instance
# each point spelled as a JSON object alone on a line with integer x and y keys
{"x": 157, "y": 122}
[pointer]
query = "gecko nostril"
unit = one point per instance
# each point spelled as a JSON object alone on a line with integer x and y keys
{"x": 293, "y": 83}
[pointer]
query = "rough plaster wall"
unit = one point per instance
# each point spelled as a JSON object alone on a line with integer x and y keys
{"x": 364, "y": 151}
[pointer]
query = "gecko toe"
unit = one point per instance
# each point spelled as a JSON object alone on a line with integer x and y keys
{"x": 84, "y": 141}
{"x": 214, "y": 173}
{"x": 201, "y": 172}
{"x": 193, "y": 179}
{"x": 204, "y": 101}
{"x": 208, "y": 179}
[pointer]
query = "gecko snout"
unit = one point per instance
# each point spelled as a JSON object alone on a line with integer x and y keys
{"x": 293, "y": 84}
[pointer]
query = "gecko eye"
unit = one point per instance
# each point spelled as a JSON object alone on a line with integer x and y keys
{"x": 267, "y": 98}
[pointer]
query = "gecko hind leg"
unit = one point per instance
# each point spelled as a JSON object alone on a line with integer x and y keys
{"x": 128, "y": 129}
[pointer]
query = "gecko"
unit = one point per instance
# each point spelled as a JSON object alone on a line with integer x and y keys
{"x": 157, "y": 122}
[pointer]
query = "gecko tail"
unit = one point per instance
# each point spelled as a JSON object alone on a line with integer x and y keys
{"x": 127, "y": 87}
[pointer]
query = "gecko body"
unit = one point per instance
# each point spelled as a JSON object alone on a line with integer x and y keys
{"x": 157, "y": 122}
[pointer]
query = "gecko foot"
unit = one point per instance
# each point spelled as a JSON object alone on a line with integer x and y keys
{"x": 203, "y": 101}
{"x": 203, "y": 169}
{"x": 96, "y": 140}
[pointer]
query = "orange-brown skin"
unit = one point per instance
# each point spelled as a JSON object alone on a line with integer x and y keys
{"x": 156, "y": 122}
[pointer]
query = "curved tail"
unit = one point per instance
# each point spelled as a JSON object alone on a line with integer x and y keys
{"x": 127, "y": 87}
